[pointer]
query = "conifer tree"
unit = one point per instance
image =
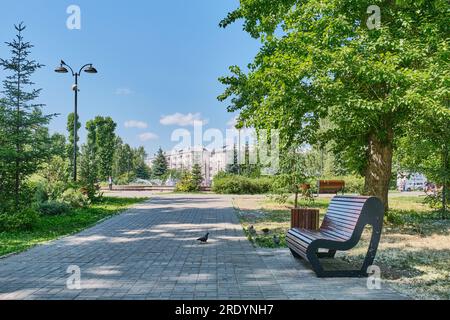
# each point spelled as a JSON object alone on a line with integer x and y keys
{"x": 160, "y": 166}
{"x": 24, "y": 138}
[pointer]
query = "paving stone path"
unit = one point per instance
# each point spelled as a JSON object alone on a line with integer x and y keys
{"x": 150, "y": 252}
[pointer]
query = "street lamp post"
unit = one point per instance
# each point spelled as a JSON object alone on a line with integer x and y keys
{"x": 88, "y": 68}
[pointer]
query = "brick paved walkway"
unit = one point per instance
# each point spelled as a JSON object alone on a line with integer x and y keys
{"x": 150, "y": 252}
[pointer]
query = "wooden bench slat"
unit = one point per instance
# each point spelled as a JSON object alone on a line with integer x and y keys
{"x": 345, "y": 206}
{"x": 345, "y": 214}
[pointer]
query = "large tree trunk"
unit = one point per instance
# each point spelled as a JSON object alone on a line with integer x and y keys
{"x": 379, "y": 167}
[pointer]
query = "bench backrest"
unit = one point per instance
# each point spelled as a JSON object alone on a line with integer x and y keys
{"x": 331, "y": 186}
{"x": 348, "y": 215}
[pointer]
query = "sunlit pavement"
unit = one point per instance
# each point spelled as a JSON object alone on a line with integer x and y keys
{"x": 151, "y": 252}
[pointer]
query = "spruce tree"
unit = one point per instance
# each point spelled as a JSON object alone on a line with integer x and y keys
{"x": 197, "y": 177}
{"x": 160, "y": 166}
{"x": 89, "y": 164}
{"x": 23, "y": 142}
{"x": 233, "y": 168}
{"x": 141, "y": 169}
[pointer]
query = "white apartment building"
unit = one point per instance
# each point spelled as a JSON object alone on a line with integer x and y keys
{"x": 211, "y": 162}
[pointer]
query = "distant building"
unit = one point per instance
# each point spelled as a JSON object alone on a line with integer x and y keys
{"x": 211, "y": 162}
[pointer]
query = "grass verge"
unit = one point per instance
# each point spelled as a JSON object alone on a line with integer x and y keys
{"x": 50, "y": 228}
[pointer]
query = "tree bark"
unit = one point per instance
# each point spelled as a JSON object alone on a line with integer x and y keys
{"x": 379, "y": 167}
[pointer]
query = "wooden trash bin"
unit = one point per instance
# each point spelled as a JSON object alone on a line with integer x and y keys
{"x": 305, "y": 219}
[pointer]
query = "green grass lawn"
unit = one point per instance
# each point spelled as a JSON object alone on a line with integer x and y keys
{"x": 414, "y": 252}
{"x": 50, "y": 228}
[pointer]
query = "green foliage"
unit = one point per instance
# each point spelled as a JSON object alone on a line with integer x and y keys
{"x": 75, "y": 198}
{"x": 22, "y": 220}
{"x": 173, "y": 174}
{"x": 190, "y": 181}
{"x": 233, "y": 168}
{"x": 187, "y": 183}
{"x": 52, "y": 180}
{"x": 123, "y": 161}
{"x": 102, "y": 134}
{"x": 141, "y": 170}
{"x": 70, "y": 145}
{"x": 435, "y": 201}
{"x": 234, "y": 184}
{"x": 124, "y": 179}
{"x": 426, "y": 150}
{"x": 197, "y": 177}
{"x": 129, "y": 163}
{"x": 159, "y": 166}
{"x": 23, "y": 135}
{"x": 324, "y": 63}
{"x": 89, "y": 168}
{"x": 57, "y": 145}
{"x": 52, "y": 227}
{"x": 53, "y": 208}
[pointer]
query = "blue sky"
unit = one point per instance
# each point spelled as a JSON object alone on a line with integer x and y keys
{"x": 158, "y": 62}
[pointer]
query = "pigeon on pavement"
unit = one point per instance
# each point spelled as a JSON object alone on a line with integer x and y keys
{"x": 204, "y": 239}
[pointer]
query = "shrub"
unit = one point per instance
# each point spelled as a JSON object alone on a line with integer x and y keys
{"x": 187, "y": 184}
{"x": 124, "y": 179}
{"x": 74, "y": 198}
{"x": 22, "y": 221}
{"x": 234, "y": 184}
{"x": 53, "y": 208}
{"x": 354, "y": 184}
{"x": 40, "y": 194}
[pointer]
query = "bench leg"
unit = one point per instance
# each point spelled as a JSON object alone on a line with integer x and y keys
{"x": 373, "y": 247}
{"x": 313, "y": 257}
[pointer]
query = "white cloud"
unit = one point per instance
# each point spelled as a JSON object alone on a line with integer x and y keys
{"x": 123, "y": 91}
{"x": 182, "y": 120}
{"x": 147, "y": 136}
{"x": 136, "y": 124}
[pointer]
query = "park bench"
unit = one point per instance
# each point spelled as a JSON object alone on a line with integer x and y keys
{"x": 330, "y": 186}
{"x": 341, "y": 230}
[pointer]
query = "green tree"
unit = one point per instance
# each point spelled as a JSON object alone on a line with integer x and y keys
{"x": 325, "y": 63}
{"x": 89, "y": 165}
{"x": 58, "y": 145}
{"x": 89, "y": 171}
{"x": 119, "y": 162}
{"x": 425, "y": 149}
{"x": 159, "y": 166}
{"x": 105, "y": 141}
{"x": 197, "y": 177}
{"x": 141, "y": 170}
{"x": 70, "y": 146}
{"x": 24, "y": 134}
{"x": 233, "y": 168}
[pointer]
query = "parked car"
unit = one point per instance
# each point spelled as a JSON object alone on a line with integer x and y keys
{"x": 415, "y": 186}
{"x": 412, "y": 182}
